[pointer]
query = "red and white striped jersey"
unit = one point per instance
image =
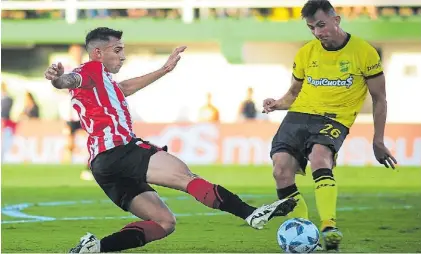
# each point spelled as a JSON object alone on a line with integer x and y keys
{"x": 102, "y": 109}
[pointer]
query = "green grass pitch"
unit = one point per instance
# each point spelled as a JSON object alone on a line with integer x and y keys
{"x": 379, "y": 210}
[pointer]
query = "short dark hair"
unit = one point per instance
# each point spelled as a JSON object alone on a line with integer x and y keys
{"x": 102, "y": 34}
{"x": 312, "y": 6}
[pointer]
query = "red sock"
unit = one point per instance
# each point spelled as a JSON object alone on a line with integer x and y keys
{"x": 204, "y": 192}
{"x": 152, "y": 230}
{"x": 217, "y": 197}
{"x": 133, "y": 235}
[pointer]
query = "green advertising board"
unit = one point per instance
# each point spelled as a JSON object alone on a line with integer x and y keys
{"x": 231, "y": 34}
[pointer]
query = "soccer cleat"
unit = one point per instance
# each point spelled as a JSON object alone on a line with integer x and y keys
{"x": 88, "y": 244}
{"x": 263, "y": 214}
{"x": 332, "y": 237}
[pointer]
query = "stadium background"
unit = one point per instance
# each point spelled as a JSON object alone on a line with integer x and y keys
{"x": 234, "y": 47}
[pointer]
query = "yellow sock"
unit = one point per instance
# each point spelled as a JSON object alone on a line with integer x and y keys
{"x": 326, "y": 192}
{"x": 300, "y": 211}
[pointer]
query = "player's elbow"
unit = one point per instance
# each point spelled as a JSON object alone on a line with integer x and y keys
{"x": 290, "y": 98}
{"x": 294, "y": 94}
{"x": 379, "y": 104}
{"x": 379, "y": 98}
{"x": 295, "y": 88}
{"x": 126, "y": 89}
{"x": 127, "y": 93}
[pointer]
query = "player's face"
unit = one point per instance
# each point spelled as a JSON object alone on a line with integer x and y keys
{"x": 113, "y": 55}
{"x": 324, "y": 27}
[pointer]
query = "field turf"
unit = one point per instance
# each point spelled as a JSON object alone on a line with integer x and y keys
{"x": 48, "y": 208}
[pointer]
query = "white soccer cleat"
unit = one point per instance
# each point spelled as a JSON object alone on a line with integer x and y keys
{"x": 88, "y": 244}
{"x": 263, "y": 214}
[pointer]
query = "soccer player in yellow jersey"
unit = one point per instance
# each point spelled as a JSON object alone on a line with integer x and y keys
{"x": 331, "y": 77}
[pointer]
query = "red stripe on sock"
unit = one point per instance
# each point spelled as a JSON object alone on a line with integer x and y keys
{"x": 203, "y": 192}
{"x": 152, "y": 230}
{"x": 215, "y": 189}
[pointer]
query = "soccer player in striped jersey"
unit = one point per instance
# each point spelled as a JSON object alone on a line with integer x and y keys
{"x": 124, "y": 165}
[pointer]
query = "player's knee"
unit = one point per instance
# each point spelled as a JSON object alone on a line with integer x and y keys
{"x": 284, "y": 176}
{"x": 283, "y": 172}
{"x": 321, "y": 157}
{"x": 168, "y": 223}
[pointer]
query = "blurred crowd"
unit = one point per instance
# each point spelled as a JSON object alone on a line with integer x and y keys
{"x": 208, "y": 112}
{"x": 8, "y": 126}
{"x": 30, "y": 109}
{"x": 271, "y": 14}
{"x": 247, "y": 110}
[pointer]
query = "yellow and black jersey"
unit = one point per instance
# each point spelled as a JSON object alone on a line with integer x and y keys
{"x": 334, "y": 81}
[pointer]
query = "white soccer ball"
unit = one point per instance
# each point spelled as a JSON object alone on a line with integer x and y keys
{"x": 298, "y": 235}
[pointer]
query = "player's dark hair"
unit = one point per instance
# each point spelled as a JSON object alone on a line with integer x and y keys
{"x": 102, "y": 34}
{"x": 312, "y": 6}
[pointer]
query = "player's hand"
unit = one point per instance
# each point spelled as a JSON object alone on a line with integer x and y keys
{"x": 269, "y": 105}
{"x": 173, "y": 59}
{"x": 383, "y": 155}
{"x": 54, "y": 71}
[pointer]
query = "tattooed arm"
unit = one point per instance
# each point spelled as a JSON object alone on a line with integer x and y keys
{"x": 66, "y": 81}
{"x": 59, "y": 80}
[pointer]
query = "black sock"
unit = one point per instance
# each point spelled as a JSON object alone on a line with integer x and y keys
{"x": 323, "y": 173}
{"x": 233, "y": 204}
{"x": 289, "y": 191}
{"x": 123, "y": 240}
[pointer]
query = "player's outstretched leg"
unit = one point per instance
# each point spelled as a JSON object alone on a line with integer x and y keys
{"x": 168, "y": 171}
{"x": 133, "y": 235}
{"x": 326, "y": 192}
{"x": 158, "y": 223}
{"x": 285, "y": 166}
{"x": 217, "y": 197}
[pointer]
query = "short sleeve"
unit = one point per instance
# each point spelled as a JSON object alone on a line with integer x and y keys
{"x": 371, "y": 63}
{"x": 298, "y": 66}
{"x": 89, "y": 72}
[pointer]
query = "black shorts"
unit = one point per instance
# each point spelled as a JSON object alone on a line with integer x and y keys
{"x": 121, "y": 171}
{"x": 74, "y": 126}
{"x": 299, "y": 132}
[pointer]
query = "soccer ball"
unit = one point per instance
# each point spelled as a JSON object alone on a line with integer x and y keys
{"x": 298, "y": 235}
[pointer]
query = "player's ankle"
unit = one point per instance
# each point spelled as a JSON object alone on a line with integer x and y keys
{"x": 233, "y": 204}
{"x": 287, "y": 192}
{"x": 327, "y": 224}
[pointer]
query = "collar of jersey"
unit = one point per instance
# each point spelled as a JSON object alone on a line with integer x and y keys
{"x": 348, "y": 37}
